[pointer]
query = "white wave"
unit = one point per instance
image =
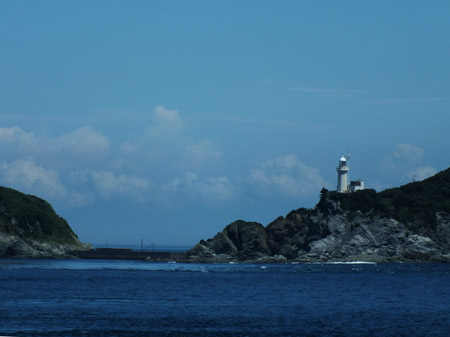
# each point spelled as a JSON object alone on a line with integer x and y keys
{"x": 349, "y": 262}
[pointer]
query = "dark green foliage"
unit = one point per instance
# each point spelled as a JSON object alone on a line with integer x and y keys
{"x": 324, "y": 205}
{"x": 415, "y": 203}
{"x": 30, "y": 217}
{"x": 351, "y": 216}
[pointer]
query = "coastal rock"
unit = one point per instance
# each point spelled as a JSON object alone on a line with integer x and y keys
{"x": 240, "y": 241}
{"x": 335, "y": 239}
{"x": 16, "y": 247}
{"x": 410, "y": 223}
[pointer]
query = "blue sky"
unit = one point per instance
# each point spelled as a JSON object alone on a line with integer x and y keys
{"x": 167, "y": 120}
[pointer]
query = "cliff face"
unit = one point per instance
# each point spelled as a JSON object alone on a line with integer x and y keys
{"x": 410, "y": 223}
{"x": 29, "y": 227}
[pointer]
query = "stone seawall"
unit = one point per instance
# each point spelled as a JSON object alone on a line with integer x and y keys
{"x": 129, "y": 254}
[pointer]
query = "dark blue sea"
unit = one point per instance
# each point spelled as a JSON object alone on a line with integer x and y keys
{"x": 134, "y": 298}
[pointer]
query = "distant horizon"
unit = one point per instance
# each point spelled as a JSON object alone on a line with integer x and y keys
{"x": 137, "y": 247}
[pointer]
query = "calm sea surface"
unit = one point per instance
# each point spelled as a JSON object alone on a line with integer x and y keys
{"x": 127, "y": 298}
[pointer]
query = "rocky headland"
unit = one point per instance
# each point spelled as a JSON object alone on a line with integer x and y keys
{"x": 405, "y": 224}
{"x": 29, "y": 227}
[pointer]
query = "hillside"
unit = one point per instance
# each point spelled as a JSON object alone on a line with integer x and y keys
{"x": 30, "y": 227}
{"x": 408, "y": 223}
{"x": 414, "y": 204}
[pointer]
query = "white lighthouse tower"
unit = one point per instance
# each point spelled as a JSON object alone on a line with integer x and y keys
{"x": 342, "y": 185}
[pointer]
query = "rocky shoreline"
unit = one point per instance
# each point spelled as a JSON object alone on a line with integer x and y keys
{"x": 326, "y": 235}
{"x": 12, "y": 246}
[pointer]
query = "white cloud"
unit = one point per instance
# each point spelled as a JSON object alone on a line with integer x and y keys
{"x": 81, "y": 158}
{"x": 408, "y": 152}
{"x": 165, "y": 149}
{"x": 405, "y": 163}
{"x": 79, "y": 177}
{"x": 110, "y": 185}
{"x": 216, "y": 190}
{"x": 15, "y": 135}
{"x": 85, "y": 141}
{"x": 421, "y": 173}
{"x": 287, "y": 176}
{"x": 16, "y": 143}
{"x": 163, "y": 115}
{"x": 212, "y": 190}
{"x": 80, "y": 147}
{"x": 161, "y": 139}
{"x": 32, "y": 178}
{"x": 167, "y": 123}
{"x": 202, "y": 152}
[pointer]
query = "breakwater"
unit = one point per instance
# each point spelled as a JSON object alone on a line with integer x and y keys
{"x": 129, "y": 254}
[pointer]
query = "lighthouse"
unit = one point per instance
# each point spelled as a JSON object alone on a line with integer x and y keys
{"x": 342, "y": 185}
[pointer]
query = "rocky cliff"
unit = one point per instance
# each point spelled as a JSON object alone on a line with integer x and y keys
{"x": 29, "y": 227}
{"x": 409, "y": 223}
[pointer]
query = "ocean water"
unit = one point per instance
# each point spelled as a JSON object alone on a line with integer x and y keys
{"x": 136, "y": 298}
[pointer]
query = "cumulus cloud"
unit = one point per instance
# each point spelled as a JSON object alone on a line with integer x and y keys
{"x": 110, "y": 185}
{"x": 287, "y": 176}
{"x": 164, "y": 115}
{"x": 405, "y": 163}
{"x": 201, "y": 152}
{"x": 15, "y": 135}
{"x": 139, "y": 171}
{"x": 167, "y": 123}
{"x": 76, "y": 148}
{"x": 212, "y": 190}
{"x": 421, "y": 173}
{"x": 408, "y": 152}
{"x": 165, "y": 149}
{"x": 16, "y": 143}
{"x": 215, "y": 190}
{"x": 405, "y": 157}
{"x": 159, "y": 139}
{"x": 85, "y": 141}
{"x": 32, "y": 178}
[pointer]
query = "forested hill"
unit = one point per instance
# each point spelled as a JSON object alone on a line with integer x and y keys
{"x": 30, "y": 217}
{"x": 414, "y": 204}
{"x": 29, "y": 227}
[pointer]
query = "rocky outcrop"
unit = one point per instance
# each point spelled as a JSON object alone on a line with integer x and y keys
{"x": 12, "y": 246}
{"x": 29, "y": 227}
{"x": 363, "y": 226}
{"x": 240, "y": 240}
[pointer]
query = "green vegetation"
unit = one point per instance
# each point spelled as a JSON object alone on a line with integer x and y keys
{"x": 30, "y": 217}
{"x": 413, "y": 204}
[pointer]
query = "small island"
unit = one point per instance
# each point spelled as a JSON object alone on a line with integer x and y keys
{"x": 410, "y": 223}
